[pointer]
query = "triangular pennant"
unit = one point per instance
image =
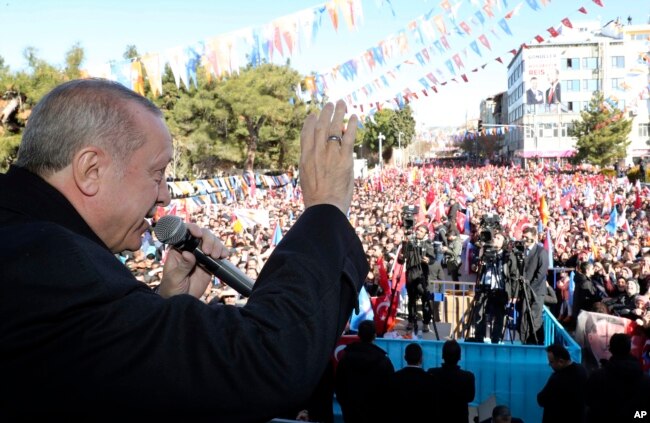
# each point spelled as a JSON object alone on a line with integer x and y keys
{"x": 533, "y": 4}
{"x": 566, "y": 22}
{"x": 504, "y": 25}
{"x": 474, "y": 46}
{"x": 484, "y": 40}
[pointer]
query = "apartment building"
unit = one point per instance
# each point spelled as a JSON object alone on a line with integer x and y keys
{"x": 550, "y": 83}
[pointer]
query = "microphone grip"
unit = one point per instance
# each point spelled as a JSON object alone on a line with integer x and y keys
{"x": 225, "y": 271}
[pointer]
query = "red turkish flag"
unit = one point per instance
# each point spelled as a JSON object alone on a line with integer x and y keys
{"x": 460, "y": 221}
{"x": 566, "y": 22}
{"x": 553, "y": 32}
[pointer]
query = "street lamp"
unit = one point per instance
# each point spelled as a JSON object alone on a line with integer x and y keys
{"x": 381, "y": 137}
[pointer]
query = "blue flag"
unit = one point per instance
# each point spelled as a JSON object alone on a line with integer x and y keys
{"x": 611, "y": 224}
{"x": 365, "y": 310}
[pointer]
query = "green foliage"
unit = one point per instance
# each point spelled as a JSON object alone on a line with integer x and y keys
{"x": 635, "y": 173}
{"x": 8, "y": 150}
{"x": 252, "y": 117}
{"x": 260, "y": 99}
{"x": 389, "y": 123}
{"x": 608, "y": 172}
{"x": 602, "y": 134}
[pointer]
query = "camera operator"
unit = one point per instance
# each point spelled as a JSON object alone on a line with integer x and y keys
{"x": 452, "y": 252}
{"x": 493, "y": 285}
{"x": 417, "y": 253}
{"x": 436, "y": 272}
{"x": 535, "y": 269}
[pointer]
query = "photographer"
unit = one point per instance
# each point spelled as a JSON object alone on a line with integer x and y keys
{"x": 436, "y": 272}
{"x": 452, "y": 252}
{"x": 493, "y": 285}
{"x": 417, "y": 253}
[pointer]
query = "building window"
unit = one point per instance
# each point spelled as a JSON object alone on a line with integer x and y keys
{"x": 618, "y": 61}
{"x": 591, "y": 85}
{"x": 571, "y": 63}
{"x": 616, "y": 83}
{"x": 644, "y": 130}
{"x": 590, "y": 63}
{"x": 571, "y": 84}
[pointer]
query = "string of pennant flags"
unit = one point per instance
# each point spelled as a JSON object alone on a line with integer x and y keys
{"x": 225, "y": 54}
{"x": 422, "y": 30}
{"x": 430, "y": 83}
{"x": 225, "y": 189}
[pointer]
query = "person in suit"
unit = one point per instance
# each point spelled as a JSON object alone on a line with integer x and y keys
{"x": 620, "y": 387}
{"x": 534, "y": 95}
{"x": 362, "y": 375}
{"x": 412, "y": 385}
{"x": 554, "y": 91}
{"x": 88, "y": 339}
{"x": 455, "y": 387}
{"x": 563, "y": 396}
{"x": 535, "y": 269}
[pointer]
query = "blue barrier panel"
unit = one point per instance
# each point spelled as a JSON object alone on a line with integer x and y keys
{"x": 514, "y": 373}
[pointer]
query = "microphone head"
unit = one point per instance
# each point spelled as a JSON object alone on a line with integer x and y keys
{"x": 170, "y": 230}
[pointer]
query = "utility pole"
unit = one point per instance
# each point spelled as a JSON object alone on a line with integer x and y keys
{"x": 381, "y": 137}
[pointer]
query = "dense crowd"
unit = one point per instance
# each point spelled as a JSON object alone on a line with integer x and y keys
{"x": 595, "y": 226}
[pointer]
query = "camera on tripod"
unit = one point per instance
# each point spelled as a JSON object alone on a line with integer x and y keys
{"x": 490, "y": 224}
{"x": 409, "y": 214}
{"x": 518, "y": 248}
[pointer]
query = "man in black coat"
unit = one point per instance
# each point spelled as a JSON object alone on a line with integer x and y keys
{"x": 619, "y": 388}
{"x": 412, "y": 385}
{"x": 81, "y": 338}
{"x": 455, "y": 386}
{"x": 362, "y": 378}
{"x": 563, "y": 396}
{"x": 535, "y": 272}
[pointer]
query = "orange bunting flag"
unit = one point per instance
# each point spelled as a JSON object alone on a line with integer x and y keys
{"x": 543, "y": 210}
{"x": 334, "y": 14}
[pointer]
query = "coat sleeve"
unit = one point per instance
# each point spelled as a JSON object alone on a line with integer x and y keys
{"x": 100, "y": 340}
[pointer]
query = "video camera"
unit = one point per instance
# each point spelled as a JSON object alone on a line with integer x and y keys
{"x": 409, "y": 214}
{"x": 490, "y": 224}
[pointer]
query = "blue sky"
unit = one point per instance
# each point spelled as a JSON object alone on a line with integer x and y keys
{"x": 105, "y": 28}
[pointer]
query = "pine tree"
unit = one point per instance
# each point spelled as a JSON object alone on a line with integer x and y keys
{"x": 602, "y": 133}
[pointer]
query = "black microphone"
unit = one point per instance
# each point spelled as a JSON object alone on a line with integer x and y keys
{"x": 171, "y": 230}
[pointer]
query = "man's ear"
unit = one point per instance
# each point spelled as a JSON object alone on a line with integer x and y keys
{"x": 88, "y": 166}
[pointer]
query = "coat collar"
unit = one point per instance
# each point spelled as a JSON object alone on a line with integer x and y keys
{"x": 27, "y": 197}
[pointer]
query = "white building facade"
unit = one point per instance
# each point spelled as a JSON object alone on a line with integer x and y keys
{"x": 550, "y": 83}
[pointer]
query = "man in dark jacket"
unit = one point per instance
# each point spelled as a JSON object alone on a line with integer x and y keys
{"x": 455, "y": 386}
{"x": 535, "y": 272}
{"x": 563, "y": 396}
{"x": 362, "y": 377}
{"x": 412, "y": 385}
{"x": 86, "y": 339}
{"x": 619, "y": 388}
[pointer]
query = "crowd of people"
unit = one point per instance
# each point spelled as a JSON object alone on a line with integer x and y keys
{"x": 596, "y": 229}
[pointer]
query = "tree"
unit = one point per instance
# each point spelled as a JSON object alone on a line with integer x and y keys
{"x": 390, "y": 123}
{"x": 602, "y": 133}
{"x": 263, "y": 101}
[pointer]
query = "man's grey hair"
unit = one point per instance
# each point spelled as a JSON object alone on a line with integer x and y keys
{"x": 79, "y": 113}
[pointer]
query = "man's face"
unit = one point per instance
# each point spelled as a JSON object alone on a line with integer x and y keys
{"x": 528, "y": 239}
{"x": 498, "y": 241}
{"x": 422, "y": 232}
{"x": 555, "y": 363}
{"x": 599, "y": 341}
{"x": 125, "y": 198}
